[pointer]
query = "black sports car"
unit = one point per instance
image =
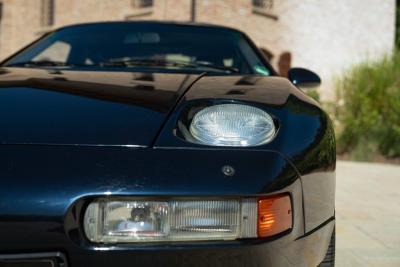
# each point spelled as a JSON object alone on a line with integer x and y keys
{"x": 161, "y": 144}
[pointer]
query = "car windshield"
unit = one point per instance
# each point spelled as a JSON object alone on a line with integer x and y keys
{"x": 146, "y": 46}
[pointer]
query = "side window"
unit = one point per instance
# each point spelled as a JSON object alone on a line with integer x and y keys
{"x": 266, "y": 5}
{"x": 140, "y": 8}
{"x": 58, "y": 52}
{"x": 265, "y": 8}
{"x": 47, "y": 13}
{"x": 141, "y": 3}
{"x": 1, "y": 11}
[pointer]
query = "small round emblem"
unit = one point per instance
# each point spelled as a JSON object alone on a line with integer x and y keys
{"x": 228, "y": 170}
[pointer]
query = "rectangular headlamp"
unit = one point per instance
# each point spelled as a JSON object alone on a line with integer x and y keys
{"x": 129, "y": 220}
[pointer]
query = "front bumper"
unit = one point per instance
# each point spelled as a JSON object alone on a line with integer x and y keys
{"x": 292, "y": 248}
{"x": 51, "y": 259}
{"x": 307, "y": 250}
{"x": 43, "y": 185}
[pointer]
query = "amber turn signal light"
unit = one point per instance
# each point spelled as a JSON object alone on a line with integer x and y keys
{"x": 274, "y": 215}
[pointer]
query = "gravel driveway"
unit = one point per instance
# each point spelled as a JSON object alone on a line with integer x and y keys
{"x": 368, "y": 214}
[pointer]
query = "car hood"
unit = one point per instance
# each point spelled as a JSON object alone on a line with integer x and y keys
{"x": 43, "y": 106}
{"x": 123, "y": 108}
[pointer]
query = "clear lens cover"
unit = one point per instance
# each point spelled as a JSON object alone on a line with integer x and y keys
{"x": 196, "y": 220}
{"x": 178, "y": 220}
{"x": 232, "y": 125}
{"x": 127, "y": 220}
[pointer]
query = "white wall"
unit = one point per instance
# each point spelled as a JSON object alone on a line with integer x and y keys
{"x": 329, "y": 36}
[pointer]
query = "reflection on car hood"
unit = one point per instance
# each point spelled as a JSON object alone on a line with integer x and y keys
{"x": 56, "y": 106}
{"x": 43, "y": 106}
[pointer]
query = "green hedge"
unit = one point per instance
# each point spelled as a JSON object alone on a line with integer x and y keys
{"x": 368, "y": 109}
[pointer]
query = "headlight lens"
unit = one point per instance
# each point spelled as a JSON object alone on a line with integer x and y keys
{"x": 132, "y": 220}
{"x": 232, "y": 125}
{"x": 144, "y": 221}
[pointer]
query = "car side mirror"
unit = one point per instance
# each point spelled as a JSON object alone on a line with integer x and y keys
{"x": 303, "y": 77}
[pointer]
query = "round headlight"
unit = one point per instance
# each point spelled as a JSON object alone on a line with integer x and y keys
{"x": 232, "y": 125}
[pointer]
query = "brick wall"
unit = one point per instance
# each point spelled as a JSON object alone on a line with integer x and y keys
{"x": 327, "y": 36}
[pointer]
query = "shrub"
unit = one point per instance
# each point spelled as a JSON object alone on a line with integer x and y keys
{"x": 313, "y": 93}
{"x": 368, "y": 109}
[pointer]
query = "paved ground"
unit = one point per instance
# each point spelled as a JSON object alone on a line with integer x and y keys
{"x": 368, "y": 215}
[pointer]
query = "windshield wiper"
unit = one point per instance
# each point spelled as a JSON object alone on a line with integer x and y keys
{"x": 133, "y": 62}
{"x": 44, "y": 63}
{"x": 128, "y": 62}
